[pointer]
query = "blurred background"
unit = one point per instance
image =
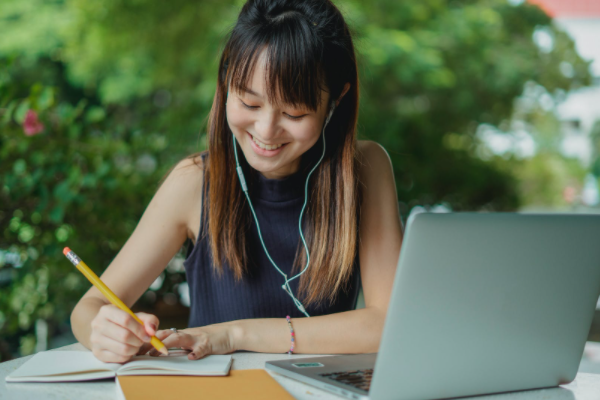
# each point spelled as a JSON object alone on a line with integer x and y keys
{"x": 483, "y": 105}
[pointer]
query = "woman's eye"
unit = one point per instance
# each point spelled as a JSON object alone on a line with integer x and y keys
{"x": 247, "y": 106}
{"x": 294, "y": 118}
{"x": 287, "y": 115}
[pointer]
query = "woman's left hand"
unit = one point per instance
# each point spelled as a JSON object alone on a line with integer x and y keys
{"x": 211, "y": 339}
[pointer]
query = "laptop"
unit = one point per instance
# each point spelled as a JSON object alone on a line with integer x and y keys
{"x": 481, "y": 304}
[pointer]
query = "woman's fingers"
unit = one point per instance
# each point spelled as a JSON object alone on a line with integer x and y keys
{"x": 120, "y": 334}
{"x": 106, "y": 344}
{"x": 215, "y": 339}
{"x": 123, "y": 319}
{"x": 107, "y": 335}
{"x": 201, "y": 347}
{"x": 117, "y": 336}
{"x": 150, "y": 322}
{"x": 198, "y": 352}
{"x": 162, "y": 334}
{"x": 175, "y": 339}
{"x": 147, "y": 347}
{"x": 110, "y": 357}
{"x": 180, "y": 339}
{"x": 198, "y": 344}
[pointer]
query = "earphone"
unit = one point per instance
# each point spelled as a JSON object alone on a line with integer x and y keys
{"x": 286, "y": 285}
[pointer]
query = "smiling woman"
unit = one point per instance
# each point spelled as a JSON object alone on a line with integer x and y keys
{"x": 287, "y": 213}
{"x": 281, "y": 64}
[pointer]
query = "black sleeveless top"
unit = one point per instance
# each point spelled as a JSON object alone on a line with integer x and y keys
{"x": 215, "y": 299}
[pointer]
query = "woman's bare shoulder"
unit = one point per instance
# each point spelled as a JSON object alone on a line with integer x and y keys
{"x": 184, "y": 183}
{"x": 193, "y": 164}
{"x": 373, "y": 160}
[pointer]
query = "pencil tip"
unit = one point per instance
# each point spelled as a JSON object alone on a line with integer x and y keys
{"x": 66, "y": 251}
{"x": 164, "y": 351}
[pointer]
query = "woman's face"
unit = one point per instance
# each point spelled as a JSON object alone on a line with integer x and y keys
{"x": 272, "y": 137}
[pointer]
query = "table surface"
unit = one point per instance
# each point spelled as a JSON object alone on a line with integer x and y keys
{"x": 585, "y": 387}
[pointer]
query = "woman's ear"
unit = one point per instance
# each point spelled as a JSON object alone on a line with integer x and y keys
{"x": 346, "y": 87}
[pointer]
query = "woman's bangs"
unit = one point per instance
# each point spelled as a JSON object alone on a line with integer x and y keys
{"x": 293, "y": 74}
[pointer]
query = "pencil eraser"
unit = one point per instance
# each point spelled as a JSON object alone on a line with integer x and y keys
{"x": 66, "y": 251}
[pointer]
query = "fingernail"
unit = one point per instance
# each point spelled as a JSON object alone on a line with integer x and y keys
{"x": 193, "y": 355}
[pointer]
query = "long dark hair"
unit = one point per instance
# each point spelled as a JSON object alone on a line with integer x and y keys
{"x": 309, "y": 48}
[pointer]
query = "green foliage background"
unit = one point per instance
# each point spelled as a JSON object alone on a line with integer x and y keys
{"x": 124, "y": 88}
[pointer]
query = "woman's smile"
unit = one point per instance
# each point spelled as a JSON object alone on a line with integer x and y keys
{"x": 263, "y": 149}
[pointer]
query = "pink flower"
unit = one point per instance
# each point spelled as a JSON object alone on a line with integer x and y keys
{"x": 31, "y": 125}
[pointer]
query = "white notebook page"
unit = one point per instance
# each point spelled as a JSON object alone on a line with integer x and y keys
{"x": 50, "y": 363}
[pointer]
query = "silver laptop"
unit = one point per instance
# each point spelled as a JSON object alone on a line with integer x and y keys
{"x": 482, "y": 303}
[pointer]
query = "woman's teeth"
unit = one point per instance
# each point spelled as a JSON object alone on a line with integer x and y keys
{"x": 266, "y": 146}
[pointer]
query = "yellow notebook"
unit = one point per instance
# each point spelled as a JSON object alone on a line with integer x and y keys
{"x": 248, "y": 384}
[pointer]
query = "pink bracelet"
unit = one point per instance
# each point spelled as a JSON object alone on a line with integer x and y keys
{"x": 293, "y": 334}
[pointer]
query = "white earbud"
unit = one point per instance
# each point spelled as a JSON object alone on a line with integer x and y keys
{"x": 332, "y": 108}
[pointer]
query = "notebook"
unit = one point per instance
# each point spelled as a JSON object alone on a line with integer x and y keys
{"x": 247, "y": 384}
{"x": 71, "y": 366}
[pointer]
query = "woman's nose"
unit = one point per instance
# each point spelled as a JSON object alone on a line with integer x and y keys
{"x": 266, "y": 126}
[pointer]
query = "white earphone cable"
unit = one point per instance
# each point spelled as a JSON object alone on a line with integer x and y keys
{"x": 286, "y": 285}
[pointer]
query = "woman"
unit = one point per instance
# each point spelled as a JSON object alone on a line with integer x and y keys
{"x": 311, "y": 213}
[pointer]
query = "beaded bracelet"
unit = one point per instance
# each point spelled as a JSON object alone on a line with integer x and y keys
{"x": 293, "y": 334}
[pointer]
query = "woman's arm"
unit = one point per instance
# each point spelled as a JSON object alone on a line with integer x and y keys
{"x": 160, "y": 233}
{"x": 357, "y": 331}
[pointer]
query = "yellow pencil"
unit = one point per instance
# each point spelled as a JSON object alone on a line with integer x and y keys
{"x": 93, "y": 278}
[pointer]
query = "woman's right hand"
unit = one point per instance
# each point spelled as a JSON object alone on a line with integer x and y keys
{"x": 116, "y": 337}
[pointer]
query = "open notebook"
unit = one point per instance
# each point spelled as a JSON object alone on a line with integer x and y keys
{"x": 66, "y": 366}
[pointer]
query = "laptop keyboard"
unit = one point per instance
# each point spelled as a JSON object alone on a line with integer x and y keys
{"x": 360, "y": 378}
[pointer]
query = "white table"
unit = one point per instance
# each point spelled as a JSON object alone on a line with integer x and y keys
{"x": 585, "y": 387}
